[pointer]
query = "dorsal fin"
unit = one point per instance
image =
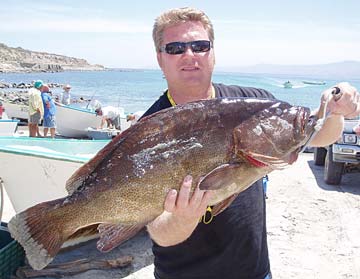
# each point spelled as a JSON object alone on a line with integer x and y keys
{"x": 79, "y": 177}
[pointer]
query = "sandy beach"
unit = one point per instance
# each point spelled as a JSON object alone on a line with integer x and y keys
{"x": 313, "y": 230}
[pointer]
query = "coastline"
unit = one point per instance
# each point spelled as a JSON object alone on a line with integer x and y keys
{"x": 313, "y": 230}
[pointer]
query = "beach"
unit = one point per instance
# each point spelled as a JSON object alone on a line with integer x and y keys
{"x": 313, "y": 229}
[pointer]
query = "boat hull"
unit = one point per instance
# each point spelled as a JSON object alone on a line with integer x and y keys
{"x": 73, "y": 122}
{"x": 35, "y": 170}
{"x": 19, "y": 111}
{"x": 314, "y": 82}
{"x": 99, "y": 134}
{"x": 44, "y": 180}
{"x": 8, "y": 127}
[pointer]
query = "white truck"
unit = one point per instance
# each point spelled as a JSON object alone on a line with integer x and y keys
{"x": 341, "y": 157}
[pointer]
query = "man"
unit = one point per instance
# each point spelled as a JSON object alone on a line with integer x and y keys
{"x": 49, "y": 112}
{"x": 36, "y": 109}
{"x": 111, "y": 116}
{"x": 233, "y": 244}
{"x": 65, "y": 97}
{"x": 134, "y": 117}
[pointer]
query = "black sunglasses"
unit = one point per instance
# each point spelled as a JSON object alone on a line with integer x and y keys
{"x": 174, "y": 48}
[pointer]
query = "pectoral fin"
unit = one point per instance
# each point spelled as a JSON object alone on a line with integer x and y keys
{"x": 112, "y": 235}
{"x": 220, "y": 176}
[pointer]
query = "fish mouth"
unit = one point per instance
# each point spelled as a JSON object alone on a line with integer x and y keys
{"x": 255, "y": 162}
{"x": 262, "y": 161}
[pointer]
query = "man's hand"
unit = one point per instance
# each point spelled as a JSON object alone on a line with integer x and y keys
{"x": 349, "y": 103}
{"x": 181, "y": 215}
{"x": 183, "y": 205}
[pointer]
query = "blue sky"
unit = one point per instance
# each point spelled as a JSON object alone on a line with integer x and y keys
{"x": 118, "y": 33}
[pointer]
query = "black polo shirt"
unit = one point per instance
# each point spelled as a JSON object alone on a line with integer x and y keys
{"x": 234, "y": 244}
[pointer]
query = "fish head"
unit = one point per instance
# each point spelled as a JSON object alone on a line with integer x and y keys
{"x": 275, "y": 135}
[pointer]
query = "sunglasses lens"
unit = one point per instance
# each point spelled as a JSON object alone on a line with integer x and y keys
{"x": 180, "y": 47}
{"x": 175, "y": 48}
{"x": 200, "y": 46}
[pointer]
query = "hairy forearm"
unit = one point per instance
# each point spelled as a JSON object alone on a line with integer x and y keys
{"x": 168, "y": 229}
{"x": 330, "y": 131}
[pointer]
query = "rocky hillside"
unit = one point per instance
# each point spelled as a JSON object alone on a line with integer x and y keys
{"x": 22, "y": 60}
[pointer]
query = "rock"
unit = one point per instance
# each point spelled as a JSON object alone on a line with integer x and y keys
{"x": 22, "y": 60}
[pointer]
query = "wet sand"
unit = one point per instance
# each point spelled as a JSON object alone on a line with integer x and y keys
{"x": 313, "y": 230}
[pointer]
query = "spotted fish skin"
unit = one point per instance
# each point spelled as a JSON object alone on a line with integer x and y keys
{"x": 225, "y": 144}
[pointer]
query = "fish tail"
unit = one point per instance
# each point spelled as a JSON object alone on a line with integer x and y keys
{"x": 38, "y": 234}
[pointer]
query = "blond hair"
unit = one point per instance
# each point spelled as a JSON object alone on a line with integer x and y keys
{"x": 176, "y": 16}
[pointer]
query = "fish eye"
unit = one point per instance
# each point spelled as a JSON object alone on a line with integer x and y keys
{"x": 278, "y": 111}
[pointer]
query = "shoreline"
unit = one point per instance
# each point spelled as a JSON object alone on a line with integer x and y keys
{"x": 313, "y": 230}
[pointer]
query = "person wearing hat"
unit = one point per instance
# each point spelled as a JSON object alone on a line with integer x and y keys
{"x": 134, "y": 117}
{"x": 49, "y": 111}
{"x": 65, "y": 96}
{"x": 36, "y": 109}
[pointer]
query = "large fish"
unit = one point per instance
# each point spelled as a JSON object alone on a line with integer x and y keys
{"x": 225, "y": 144}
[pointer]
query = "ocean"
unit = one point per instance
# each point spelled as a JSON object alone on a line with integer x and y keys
{"x": 136, "y": 90}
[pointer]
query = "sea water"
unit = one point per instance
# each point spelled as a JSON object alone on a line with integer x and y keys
{"x": 136, "y": 90}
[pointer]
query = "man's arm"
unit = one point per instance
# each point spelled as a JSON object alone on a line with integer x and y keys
{"x": 181, "y": 215}
{"x": 347, "y": 106}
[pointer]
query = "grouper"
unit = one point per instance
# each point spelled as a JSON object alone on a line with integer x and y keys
{"x": 225, "y": 144}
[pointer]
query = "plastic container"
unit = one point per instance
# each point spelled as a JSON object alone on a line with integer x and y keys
{"x": 12, "y": 255}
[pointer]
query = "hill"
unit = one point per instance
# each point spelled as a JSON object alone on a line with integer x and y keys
{"x": 23, "y": 60}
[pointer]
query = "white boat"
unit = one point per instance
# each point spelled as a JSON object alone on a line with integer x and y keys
{"x": 100, "y": 134}
{"x": 314, "y": 82}
{"x": 8, "y": 127}
{"x": 18, "y": 111}
{"x": 73, "y": 122}
{"x": 34, "y": 170}
{"x": 287, "y": 84}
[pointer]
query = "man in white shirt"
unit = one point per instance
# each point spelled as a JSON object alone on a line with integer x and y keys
{"x": 65, "y": 96}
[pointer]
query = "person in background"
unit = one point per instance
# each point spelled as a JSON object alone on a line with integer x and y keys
{"x": 36, "y": 109}
{"x": 110, "y": 116}
{"x": 234, "y": 243}
{"x": 65, "y": 97}
{"x": 134, "y": 117}
{"x": 2, "y": 109}
{"x": 49, "y": 111}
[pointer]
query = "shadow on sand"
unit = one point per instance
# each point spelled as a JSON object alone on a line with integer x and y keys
{"x": 139, "y": 247}
{"x": 350, "y": 182}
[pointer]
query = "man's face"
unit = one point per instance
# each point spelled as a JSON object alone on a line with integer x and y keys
{"x": 188, "y": 68}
